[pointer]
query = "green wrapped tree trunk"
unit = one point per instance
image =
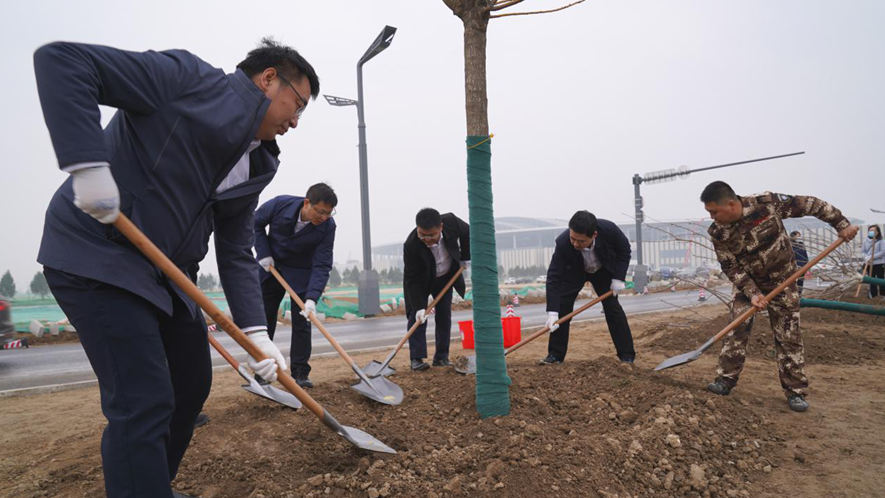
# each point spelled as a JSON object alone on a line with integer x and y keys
{"x": 841, "y": 306}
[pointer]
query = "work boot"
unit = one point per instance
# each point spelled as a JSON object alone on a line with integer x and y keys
{"x": 442, "y": 362}
{"x": 627, "y": 359}
{"x": 719, "y": 387}
{"x": 419, "y": 365}
{"x": 304, "y": 383}
{"x": 550, "y": 360}
{"x": 202, "y": 419}
{"x": 797, "y": 403}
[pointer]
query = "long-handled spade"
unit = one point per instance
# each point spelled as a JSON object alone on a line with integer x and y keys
{"x": 264, "y": 390}
{"x": 469, "y": 368}
{"x": 694, "y": 355}
{"x": 379, "y": 389}
{"x": 355, "y": 436}
{"x": 376, "y": 368}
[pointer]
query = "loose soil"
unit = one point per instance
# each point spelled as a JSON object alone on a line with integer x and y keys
{"x": 589, "y": 427}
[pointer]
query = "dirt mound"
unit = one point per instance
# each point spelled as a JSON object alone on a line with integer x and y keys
{"x": 831, "y": 337}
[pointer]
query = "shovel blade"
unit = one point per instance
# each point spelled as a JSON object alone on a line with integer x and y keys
{"x": 374, "y": 369}
{"x": 679, "y": 360}
{"x": 358, "y": 438}
{"x": 466, "y": 365}
{"x": 273, "y": 394}
{"x": 379, "y": 389}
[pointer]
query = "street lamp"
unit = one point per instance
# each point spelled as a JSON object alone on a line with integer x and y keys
{"x": 369, "y": 293}
{"x": 640, "y": 272}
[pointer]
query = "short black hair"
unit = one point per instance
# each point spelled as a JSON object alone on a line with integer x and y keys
{"x": 428, "y": 218}
{"x": 583, "y": 222}
{"x": 287, "y": 60}
{"x": 322, "y": 193}
{"x": 718, "y": 192}
{"x": 878, "y": 231}
{"x": 794, "y": 233}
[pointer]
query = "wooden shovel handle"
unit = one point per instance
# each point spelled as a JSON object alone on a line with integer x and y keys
{"x": 560, "y": 321}
{"x": 128, "y": 229}
{"x": 312, "y": 316}
{"x": 866, "y": 267}
{"x": 777, "y": 290}
{"x": 223, "y": 352}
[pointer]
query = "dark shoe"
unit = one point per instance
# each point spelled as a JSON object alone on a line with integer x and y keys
{"x": 627, "y": 360}
{"x": 442, "y": 363}
{"x": 261, "y": 380}
{"x": 550, "y": 360}
{"x": 304, "y": 383}
{"x": 419, "y": 365}
{"x": 797, "y": 403}
{"x": 202, "y": 419}
{"x": 719, "y": 387}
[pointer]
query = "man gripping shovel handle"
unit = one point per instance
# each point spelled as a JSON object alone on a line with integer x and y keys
{"x": 354, "y": 436}
{"x": 468, "y": 365}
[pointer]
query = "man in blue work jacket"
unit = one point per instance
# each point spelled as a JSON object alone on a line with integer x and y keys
{"x": 186, "y": 154}
{"x": 296, "y": 235}
{"x": 596, "y": 251}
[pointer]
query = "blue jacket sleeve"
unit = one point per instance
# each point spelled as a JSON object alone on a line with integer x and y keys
{"x": 237, "y": 268}
{"x": 321, "y": 265}
{"x": 555, "y": 277}
{"x": 262, "y": 218}
{"x": 621, "y": 245}
{"x": 74, "y": 79}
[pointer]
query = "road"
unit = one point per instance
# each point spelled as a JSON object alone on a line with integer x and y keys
{"x": 65, "y": 366}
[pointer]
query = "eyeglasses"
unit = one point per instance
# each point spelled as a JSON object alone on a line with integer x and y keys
{"x": 300, "y": 111}
{"x": 325, "y": 214}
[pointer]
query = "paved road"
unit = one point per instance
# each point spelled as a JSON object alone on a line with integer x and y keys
{"x": 65, "y": 366}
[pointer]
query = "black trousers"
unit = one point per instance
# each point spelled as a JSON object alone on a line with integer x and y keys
{"x": 154, "y": 374}
{"x": 878, "y": 272}
{"x": 442, "y": 319}
{"x": 299, "y": 352}
{"x": 614, "y": 317}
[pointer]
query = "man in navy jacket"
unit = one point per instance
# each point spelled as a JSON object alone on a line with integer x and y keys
{"x": 596, "y": 251}
{"x": 432, "y": 253}
{"x": 185, "y": 156}
{"x": 296, "y": 235}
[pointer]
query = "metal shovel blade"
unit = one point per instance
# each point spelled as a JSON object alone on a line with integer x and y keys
{"x": 356, "y": 437}
{"x": 466, "y": 365}
{"x": 380, "y": 389}
{"x": 270, "y": 392}
{"x": 374, "y": 369}
{"x": 686, "y": 357}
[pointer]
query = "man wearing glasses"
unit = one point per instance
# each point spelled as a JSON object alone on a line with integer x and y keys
{"x": 296, "y": 235}
{"x": 432, "y": 254}
{"x": 185, "y": 156}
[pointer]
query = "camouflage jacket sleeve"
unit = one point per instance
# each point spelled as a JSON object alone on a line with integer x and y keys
{"x": 733, "y": 269}
{"x": 797, "y": 206}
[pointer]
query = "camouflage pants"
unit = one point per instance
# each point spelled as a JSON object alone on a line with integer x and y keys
{"x": 783, "y": 311}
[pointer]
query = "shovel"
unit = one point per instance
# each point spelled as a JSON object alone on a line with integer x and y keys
{"x": 469, "y": 367}
{"x": 375, "y": 368}
{"x": 265, "y": 391}
{"x": 379, "y": 389}
{"x": 355, "y": 436}
{"x": 694, "y": 355}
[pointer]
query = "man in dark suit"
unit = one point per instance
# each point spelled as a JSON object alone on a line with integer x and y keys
{"x": 431, "y": 256}
{"x": 187, "y": 153}
{"x": 596, "y": 251}
{"x": 296, "y": 235}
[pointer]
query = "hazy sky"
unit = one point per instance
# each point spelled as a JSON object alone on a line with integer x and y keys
{"x": 579, "y": 101}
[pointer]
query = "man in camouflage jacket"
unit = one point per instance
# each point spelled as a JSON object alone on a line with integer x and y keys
{"x": 755, "y": 252}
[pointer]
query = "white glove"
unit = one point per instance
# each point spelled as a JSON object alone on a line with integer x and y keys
{"x": 266, "y": 368}
{"x": 551, "y": 324}
{"x": 96, "y": 193}
{"x": 266, "y": 263}
{"x": 618, "y": 286}
{"x": 309, "y": 307}
{"x": 465, "y": 265}
{"x": 421, "y": 316}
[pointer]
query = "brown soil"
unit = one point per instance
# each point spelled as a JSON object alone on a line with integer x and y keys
{"x": 48, "y": 339}
{"x": 589, "y": 427}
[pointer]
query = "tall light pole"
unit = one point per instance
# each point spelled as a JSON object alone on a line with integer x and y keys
{"x": 640, "y": 272}
{"x": 369, "y": 293}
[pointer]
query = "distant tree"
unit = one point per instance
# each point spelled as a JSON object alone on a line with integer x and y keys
{"x": 7, "y": 285}
{"x": 396, "y": 276}
{"x": 354, "y": 276}
{"x": 207, "y": 282}
{"x": 334, "y": 278}
{"x": 502, "y": 273}
{"x": 39, "y": 285}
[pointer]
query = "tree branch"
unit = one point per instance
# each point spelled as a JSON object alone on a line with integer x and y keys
{"x": 503, "y": 4}
{"x": 537, "y": 11}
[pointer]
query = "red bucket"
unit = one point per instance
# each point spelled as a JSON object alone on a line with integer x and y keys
{"x": 466, "y": 334}
{"x": 512, "y": 327}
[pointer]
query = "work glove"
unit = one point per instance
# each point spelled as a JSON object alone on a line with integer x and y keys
{"x": 421, "y": 316}
{"x": 96, "y": 193}
{"x": 618, "y": 286}
{"x": 465, "y": 265}
{"x": 551, "y": 324}
{"x": 309, "y": 307}
{"x": 267, "y": 368}
{"x": 266, "y": 263}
